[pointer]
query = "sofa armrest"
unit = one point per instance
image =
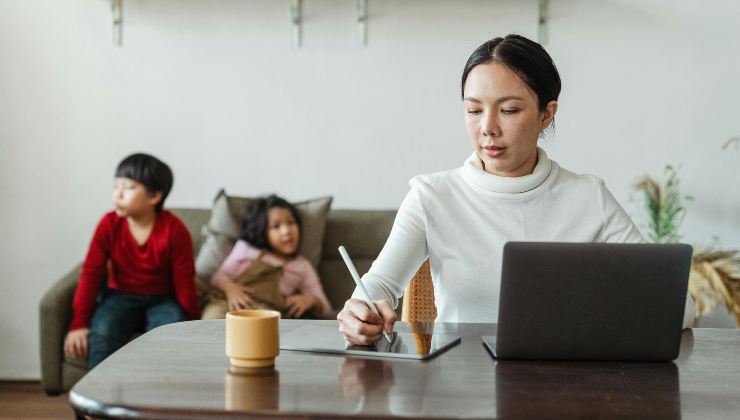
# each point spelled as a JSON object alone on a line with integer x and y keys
{"x": 55, "y": 314}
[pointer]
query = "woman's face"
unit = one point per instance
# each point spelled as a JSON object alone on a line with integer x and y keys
{"x": 503, "y": 120}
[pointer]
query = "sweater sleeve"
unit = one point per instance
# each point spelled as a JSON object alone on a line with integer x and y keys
{"x": 229, "y": 269}
{"x": 403, "y": 253}
{"x": 93, "y": 272}
{"x": 619, "y": 228}
{"x": 310, "y": 284}
{"x": 183, "y": 269}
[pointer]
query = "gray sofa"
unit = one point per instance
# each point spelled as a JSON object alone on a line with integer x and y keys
{"x": 363, "y": 232}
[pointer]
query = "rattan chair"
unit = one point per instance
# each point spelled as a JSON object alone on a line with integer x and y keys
{"x": 418, "y": 298}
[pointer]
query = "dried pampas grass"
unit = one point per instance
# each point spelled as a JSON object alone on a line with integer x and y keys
{"x": 715, "y": 280}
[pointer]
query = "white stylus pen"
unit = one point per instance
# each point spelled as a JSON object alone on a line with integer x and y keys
{"x": 360, "y": 286}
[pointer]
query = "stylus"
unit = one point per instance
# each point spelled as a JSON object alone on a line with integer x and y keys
{"x": 360, "y": 286}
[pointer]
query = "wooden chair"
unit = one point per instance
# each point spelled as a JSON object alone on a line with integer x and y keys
{"x": 418, "y": 298}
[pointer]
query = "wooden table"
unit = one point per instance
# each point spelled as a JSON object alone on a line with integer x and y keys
{"x": 180, "y": 371}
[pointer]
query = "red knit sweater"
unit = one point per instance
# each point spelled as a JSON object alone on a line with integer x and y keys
{"x": 163, "y": 266}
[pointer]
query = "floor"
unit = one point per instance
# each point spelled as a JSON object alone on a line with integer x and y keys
{"x": 26, "y": 400}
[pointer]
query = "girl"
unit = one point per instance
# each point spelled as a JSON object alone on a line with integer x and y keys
{"x": 506, "y": 190}
{"x": 264, "y": 269}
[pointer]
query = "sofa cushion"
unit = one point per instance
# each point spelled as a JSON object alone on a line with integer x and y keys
{"x": 224, "y": 229}
{"x": 363, "y": 233}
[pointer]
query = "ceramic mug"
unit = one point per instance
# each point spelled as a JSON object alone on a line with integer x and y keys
{"x": 252, "y": 337}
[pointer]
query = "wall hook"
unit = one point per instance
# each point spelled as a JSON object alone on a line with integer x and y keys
{"x": 295, "y": 22}
{"x": 117, "y": 13}
{"x": 361, "y": 22}
{"x": 543, "y": 8}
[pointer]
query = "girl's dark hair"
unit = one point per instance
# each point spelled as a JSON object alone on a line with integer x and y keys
{"x": 254, "y": 226}
{"x": 524, "y": 57}
{"x": 154, "y": 174}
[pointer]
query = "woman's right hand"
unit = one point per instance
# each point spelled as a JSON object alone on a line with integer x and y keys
{"x": 75, "y": 345}
{"x": 237, "y": 296}
{"x": 361, "y": 326}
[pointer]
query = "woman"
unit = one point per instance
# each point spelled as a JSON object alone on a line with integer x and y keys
{"x": 507, "y": 190}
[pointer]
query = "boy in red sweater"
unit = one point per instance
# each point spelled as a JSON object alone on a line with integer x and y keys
{"x": 147, "y": 254}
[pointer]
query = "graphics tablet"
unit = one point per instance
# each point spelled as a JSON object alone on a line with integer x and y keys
{"x": 403, "y": 345}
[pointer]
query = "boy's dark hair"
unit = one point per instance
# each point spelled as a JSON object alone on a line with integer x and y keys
{"x": 154, "y": 174}
{"x": 254, "y": 226}
{"x": 524, "y": 57}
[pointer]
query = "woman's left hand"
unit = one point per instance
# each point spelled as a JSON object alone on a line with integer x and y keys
{"x": 297, "y": 305}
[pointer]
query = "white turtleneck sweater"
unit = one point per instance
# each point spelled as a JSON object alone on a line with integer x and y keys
{"x": 461, "y": 219}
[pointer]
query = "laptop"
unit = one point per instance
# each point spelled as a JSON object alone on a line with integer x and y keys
{"x": 591, "y": 301}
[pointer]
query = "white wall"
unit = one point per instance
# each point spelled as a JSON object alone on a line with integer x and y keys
{"x": 214, "y": 89}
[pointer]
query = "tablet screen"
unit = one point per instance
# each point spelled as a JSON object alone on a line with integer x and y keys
{"x": 406, "y": 345}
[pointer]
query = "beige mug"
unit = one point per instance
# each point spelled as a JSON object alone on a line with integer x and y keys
{"x": 252, "y": 337}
